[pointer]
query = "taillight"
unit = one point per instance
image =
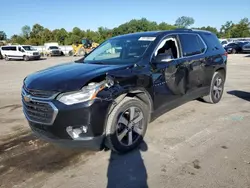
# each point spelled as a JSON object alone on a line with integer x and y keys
{"x": 225, "y": 54}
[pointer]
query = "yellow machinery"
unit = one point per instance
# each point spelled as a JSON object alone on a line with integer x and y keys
{"x": 86, "y": 46}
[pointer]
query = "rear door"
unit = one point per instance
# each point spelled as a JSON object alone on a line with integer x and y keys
{"x": 193, "y": 56}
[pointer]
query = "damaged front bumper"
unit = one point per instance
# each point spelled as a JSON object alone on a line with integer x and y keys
{"x": 75, "y": 126}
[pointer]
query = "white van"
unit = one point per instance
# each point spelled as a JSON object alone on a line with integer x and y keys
{"x": 25, "y": 52}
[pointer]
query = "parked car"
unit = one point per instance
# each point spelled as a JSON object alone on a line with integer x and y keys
{"x": 108, "y": 98}
{"x": 246, "y": 48}
{"x": 25, "y": 52}
{"x": 224, "y": 42}
{"x": 235, "y": 47}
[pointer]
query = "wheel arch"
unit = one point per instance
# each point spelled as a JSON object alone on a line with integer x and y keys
{"x": 140, "y": 93}
{"x": 221, "y": 70}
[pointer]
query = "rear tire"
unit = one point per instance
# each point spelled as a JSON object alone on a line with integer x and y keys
{"x": 216, "y": 89}
{"x": 126, "y": 125}
{"x": 234, "y": 51}
{"x": 6, "y": 58}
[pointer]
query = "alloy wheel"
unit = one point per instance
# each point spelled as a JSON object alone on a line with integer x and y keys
{"x": 129, "y": 126}
{"x": 218, "y": 88}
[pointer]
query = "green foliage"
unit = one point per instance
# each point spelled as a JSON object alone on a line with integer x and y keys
{"x": 242, "y": 29}
{"x": 3, "y": 35}
{"x": 209, "y": 28}
{"x": 184, "y": 22}
{"x": 38, "y": 35}
{"x": 26, "y": 30}
{"x": 16, "y": 39}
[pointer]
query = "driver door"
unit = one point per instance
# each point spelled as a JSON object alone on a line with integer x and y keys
{"x": 169, "y": 73}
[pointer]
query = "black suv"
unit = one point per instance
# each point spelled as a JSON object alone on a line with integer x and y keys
{"x": 109, "y": 97}
{"x": 234, "y": 47}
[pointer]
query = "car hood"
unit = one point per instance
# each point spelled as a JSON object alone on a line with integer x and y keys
{"x": 67, "y": 77}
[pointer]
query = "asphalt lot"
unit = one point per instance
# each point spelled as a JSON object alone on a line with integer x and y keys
{"x": 194, "y": 145}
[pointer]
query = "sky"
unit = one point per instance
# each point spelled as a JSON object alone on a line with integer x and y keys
{"x": 92, "y": 14}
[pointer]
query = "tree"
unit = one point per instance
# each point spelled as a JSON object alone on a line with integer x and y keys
{"x": 17, "y": 39}
{"x": 184, "y": 22}
{"x": 104, "y": 33}
{"x": 242, "y": 29}
{"x": 77, "y": 31}
{"x": 165, "y": 26}
{"x": 226, "y": 29}
{"x": 3, "y": 35}
{"x": 60, "y": 35}
{"x": 46, "y": 36}
{"x": 209, "y": 28}
{"x": 37, "y": 34}
{"x": 26, "y": 31}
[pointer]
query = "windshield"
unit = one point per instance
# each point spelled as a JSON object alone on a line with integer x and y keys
{"x": 120, "y": 50}
{"x": 29, "y": 48}
{"x": 53, "y": 47}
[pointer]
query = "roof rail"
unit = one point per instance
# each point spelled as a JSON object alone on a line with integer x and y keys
{"x": 183, "y": 29}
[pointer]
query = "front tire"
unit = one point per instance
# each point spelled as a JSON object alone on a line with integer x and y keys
{"x": 216, "y": 89}
{"x": 126, "y": 125}
{"x": 26, "y": 58}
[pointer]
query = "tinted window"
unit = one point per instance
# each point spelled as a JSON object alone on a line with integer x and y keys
{"x": 191, "y": 44}
{"x": 53, "y": 48}
{"x": 12, "y": 48}
{"x": 212, "y": 41}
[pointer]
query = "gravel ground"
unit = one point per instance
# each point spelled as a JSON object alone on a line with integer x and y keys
{"x": 194, "y": 145}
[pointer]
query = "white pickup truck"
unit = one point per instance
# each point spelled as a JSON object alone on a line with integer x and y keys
{"x": 52, "y": 49}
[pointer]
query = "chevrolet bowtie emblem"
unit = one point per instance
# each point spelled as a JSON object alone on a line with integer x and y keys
{"x": 27, "y": 98}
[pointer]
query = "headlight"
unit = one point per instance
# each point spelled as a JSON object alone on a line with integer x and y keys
{"x": 87, "y": 93}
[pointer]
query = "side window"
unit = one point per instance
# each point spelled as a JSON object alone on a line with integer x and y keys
{"x": 191, "y": 44}
{"x": 168, "y": 47}
{"x": 19, "y": 49}
{"x": 13, "y": 48}
{"x": 213, "y": 42}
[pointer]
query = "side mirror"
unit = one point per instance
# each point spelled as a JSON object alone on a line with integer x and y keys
{"x": 161, "y": 58}
{"x": 22, "y": 50}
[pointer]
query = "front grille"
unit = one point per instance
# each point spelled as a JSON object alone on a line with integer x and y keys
{"x": 247, "y": 47}
{"x": 39, "y": 93}
{"x": 39, "y": 111}
{"x": 56, "y": 52}
{"x": 41, "y": 130}
{"x": 35, "y": 53}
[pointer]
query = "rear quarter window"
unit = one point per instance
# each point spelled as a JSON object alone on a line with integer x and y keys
{"x": 5, "y": 48}
{"x": 191, "y": 44}
{"x": 212, "y": 41}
